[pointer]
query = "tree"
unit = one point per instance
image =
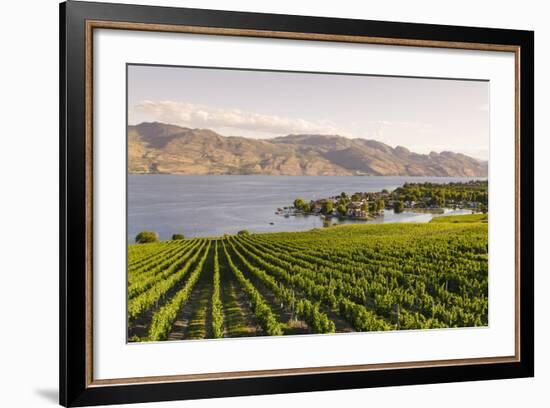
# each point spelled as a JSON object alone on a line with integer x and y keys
{"x": 176, "y": 237}
{"x": 342, "y": 209}
{"x": 243, "y": 232}
{"x": 371, "y": 206}
{"x": 398, "y": 207}
{"x": 328, "y": 206}
{"x": 306, "y": 207}
{"x": 299, "y": 203}
{"x": 380, "y": 205}
{"x": 145, "y": 237}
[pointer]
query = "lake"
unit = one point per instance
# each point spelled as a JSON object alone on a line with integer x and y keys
{"x": 198, "y": 206}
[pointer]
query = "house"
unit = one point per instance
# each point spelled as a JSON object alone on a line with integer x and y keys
{"x": 355, "y": 209}
{"x": 359, "y": 213}
{"x": 316, "y": 207}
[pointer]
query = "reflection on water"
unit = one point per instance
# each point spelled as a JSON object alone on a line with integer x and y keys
{"x": 390, "y": 216}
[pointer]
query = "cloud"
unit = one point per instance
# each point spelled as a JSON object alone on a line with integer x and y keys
{"x": 391, "y": 131}
{"x": 202, "y": 116}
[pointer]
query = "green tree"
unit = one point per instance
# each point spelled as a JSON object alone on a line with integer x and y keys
{"x": 341, "y": 209}
{"x": 299, "y": 203}
{"x": 243, "y": 232}
{"x": 371, "y": 206}
{"x": 145, "y": 237}
{"x": 398, "y": 207}
{"x": 380, "y": 205}
{"x": 328, "y": 206}
{"x": 176, "y": 237}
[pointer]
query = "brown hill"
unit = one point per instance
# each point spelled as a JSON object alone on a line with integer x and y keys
{"x": 161, "y": 148}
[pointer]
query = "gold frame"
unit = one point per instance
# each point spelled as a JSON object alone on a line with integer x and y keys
{"x": 99, "y": 24}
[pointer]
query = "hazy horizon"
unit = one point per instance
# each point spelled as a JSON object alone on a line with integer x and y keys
{"x": 420, "y": 114}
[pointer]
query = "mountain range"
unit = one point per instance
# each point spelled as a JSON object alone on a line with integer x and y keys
{"x": 163, "y": 148}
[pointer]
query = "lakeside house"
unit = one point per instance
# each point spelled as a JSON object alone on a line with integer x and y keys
{"x": 316, "y": 207}
{"x": 355, "y": 209}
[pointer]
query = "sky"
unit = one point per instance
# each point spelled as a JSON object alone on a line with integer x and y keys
{"x": 421, "y": 114}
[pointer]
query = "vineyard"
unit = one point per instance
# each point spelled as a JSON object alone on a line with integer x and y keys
{"x": 337, "y": 279}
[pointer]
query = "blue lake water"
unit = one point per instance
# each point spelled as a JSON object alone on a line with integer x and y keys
{"x": 214, "y": 205}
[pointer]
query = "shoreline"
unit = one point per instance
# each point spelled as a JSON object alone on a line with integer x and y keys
{"x": 343, "y": 225}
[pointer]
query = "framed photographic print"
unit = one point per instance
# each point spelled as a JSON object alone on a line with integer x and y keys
{"x": 256, "y": 203}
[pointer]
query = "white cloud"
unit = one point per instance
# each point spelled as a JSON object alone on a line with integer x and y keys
{"x": 202, "y": 116}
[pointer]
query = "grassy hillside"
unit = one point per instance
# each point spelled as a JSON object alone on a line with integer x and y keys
{"x": 337, "y": 279}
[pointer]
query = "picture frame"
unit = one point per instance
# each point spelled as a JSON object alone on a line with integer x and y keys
{"x": 79, "y": 21}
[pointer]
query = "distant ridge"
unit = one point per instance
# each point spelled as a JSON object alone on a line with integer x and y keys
{"x": 162, "y": 148}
